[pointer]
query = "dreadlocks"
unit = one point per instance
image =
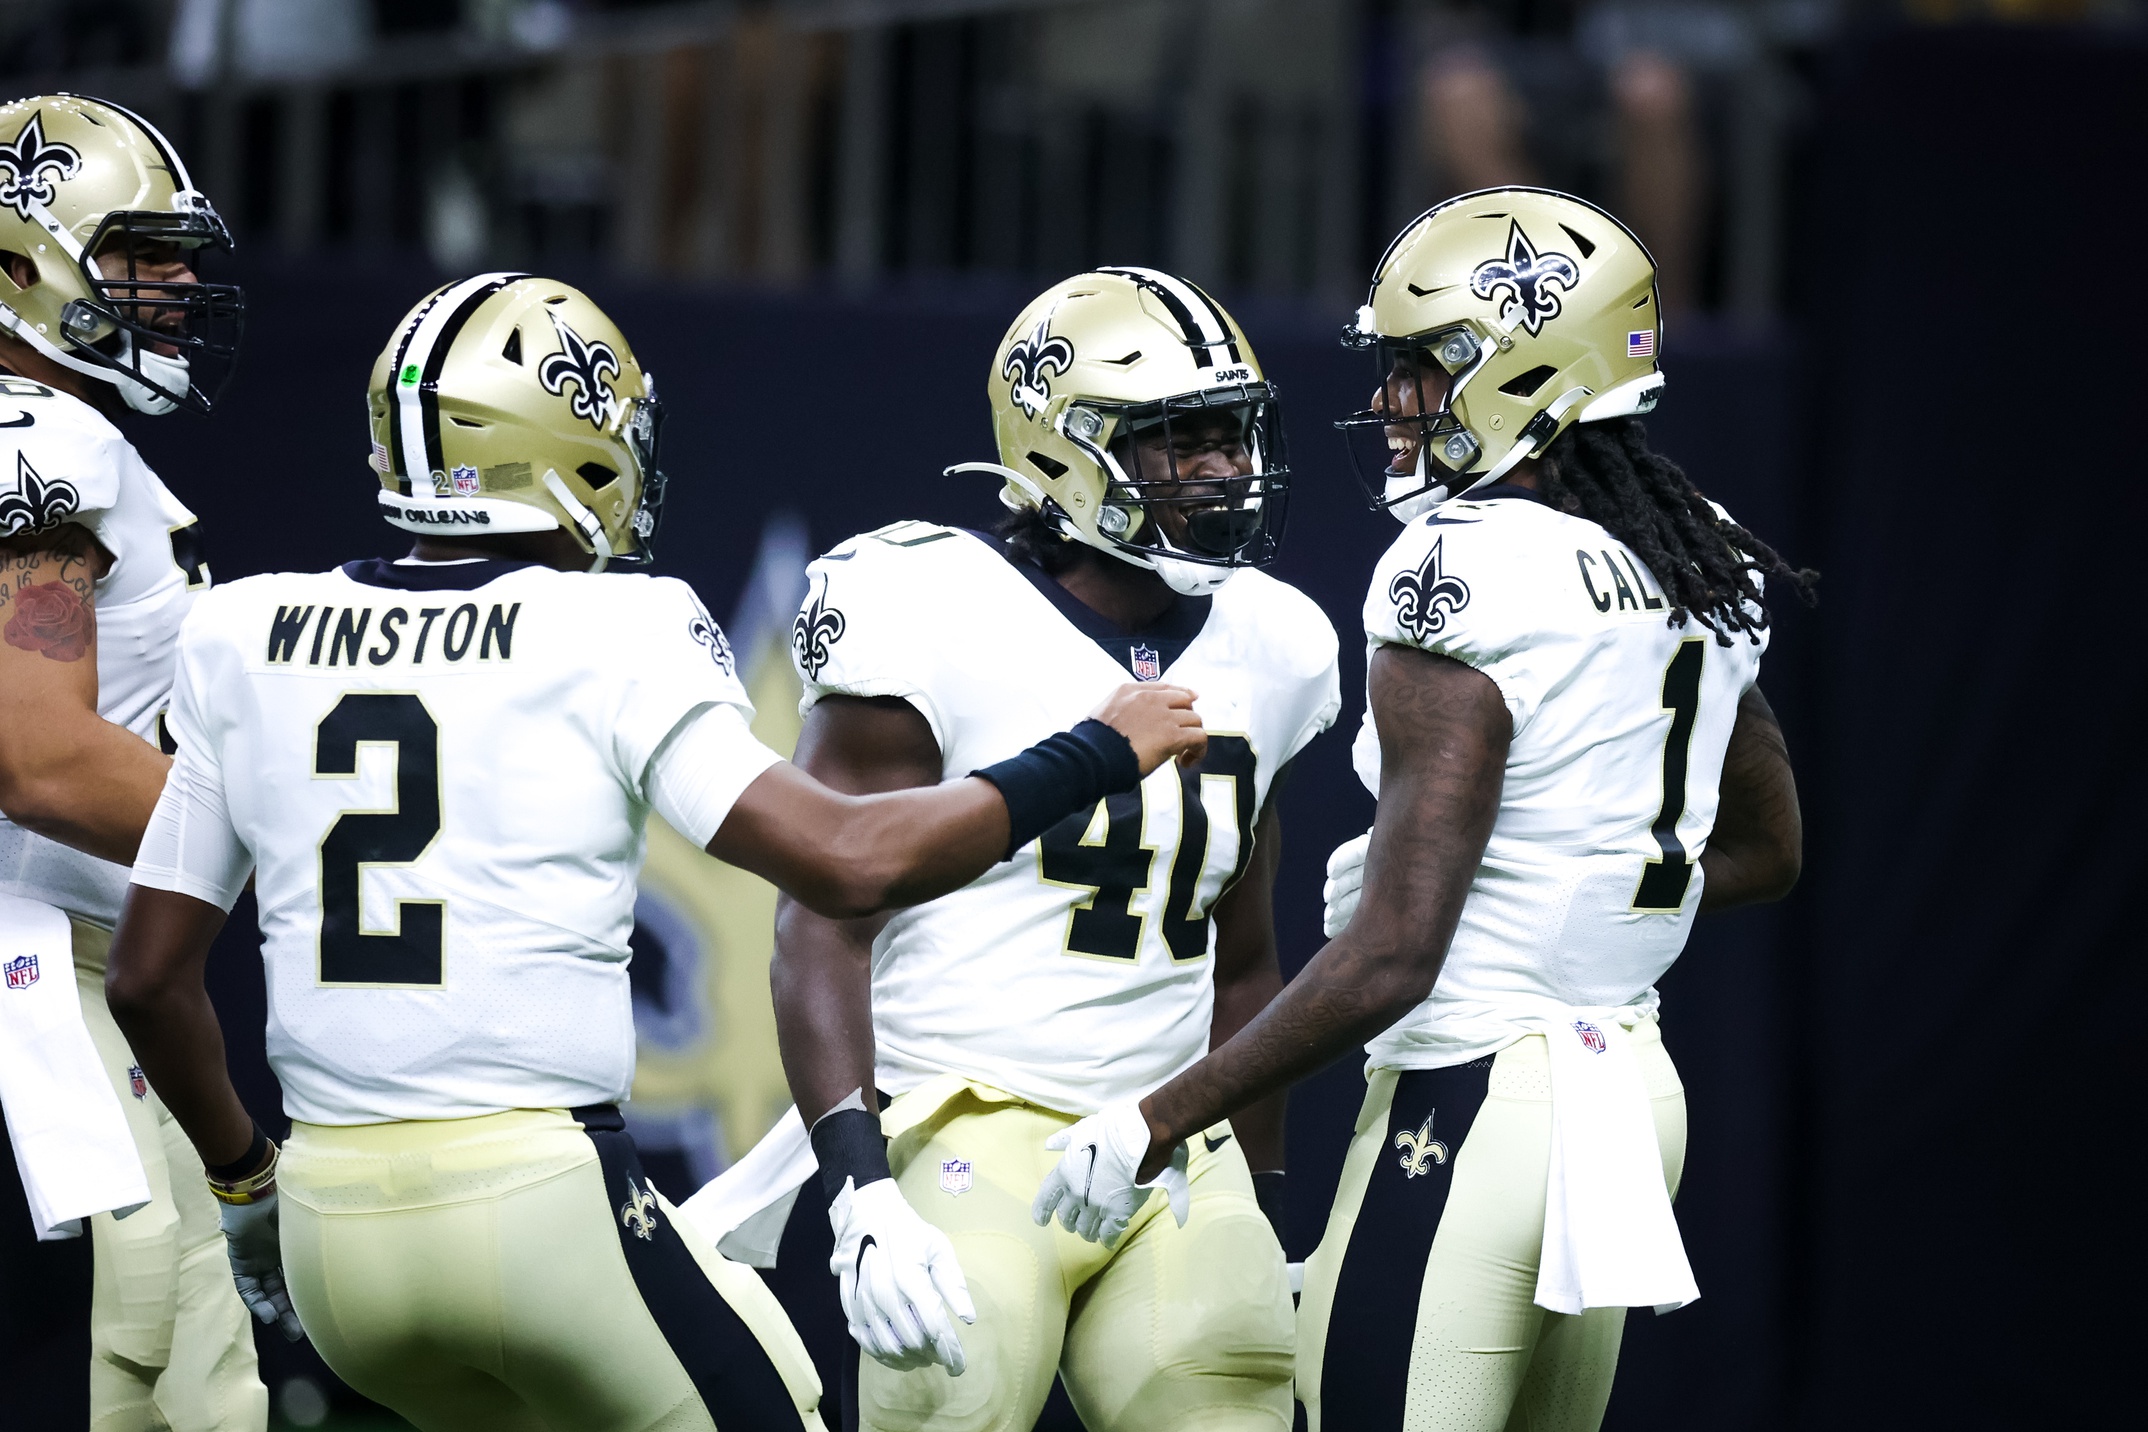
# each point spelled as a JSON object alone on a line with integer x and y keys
{"x": 1606, "y": 472}
{"x": 1030, "y": 536}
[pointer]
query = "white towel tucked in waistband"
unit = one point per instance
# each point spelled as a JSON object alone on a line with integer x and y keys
{"x": 1610, "y": 1240}
{"x": 70, "y": 1135}
{"x": 743, "y": 1209}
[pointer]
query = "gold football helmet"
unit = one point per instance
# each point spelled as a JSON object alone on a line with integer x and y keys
{"x": 510, "y": 403}
{"x": 1498, "y": 319}
{"x": 80, "y": 177}
{"x": 1131, "y": 412}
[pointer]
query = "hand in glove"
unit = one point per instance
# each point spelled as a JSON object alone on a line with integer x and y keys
{"x": 251, "y": 1238}
{"x": 1346, "y": 881}
{"x": 898, "y": 1278}
{"x": 1093, "y": 1189}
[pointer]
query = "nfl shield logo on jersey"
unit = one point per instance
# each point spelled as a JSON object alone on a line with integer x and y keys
{"x": 1148, "y": 666}
{"x": 955, "y": 1176}
{"x": 137, "y": 1081}
{"x": 22, "y": 972}
{"x": 1592, "y": 1038}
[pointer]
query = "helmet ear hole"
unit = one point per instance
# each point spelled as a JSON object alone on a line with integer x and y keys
{"x": 1050, "y": 466}
{"x": 20, "y": 270}
{"x": 1527, "y": 383}
{"x": 597, "y": 475}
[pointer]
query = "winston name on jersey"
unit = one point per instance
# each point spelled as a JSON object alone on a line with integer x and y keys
{"x": 1079, "y": 971}
{"x": 439, "y": 772}
{"x": 1591, "y": 877}
{"x": 62, "y": 461}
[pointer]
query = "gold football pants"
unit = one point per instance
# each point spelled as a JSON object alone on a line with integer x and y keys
{"x": 1418, "y": 1311}
{"x": 1174, "y": 1328}
{"x": 517, "y": 1273}
{"x": 171, "y": 1345}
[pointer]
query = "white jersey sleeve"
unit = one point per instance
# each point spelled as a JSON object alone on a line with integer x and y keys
{"x": 679, "y": 667}
{"x": 191, "y": 845}
{"x": 873, "y": 624}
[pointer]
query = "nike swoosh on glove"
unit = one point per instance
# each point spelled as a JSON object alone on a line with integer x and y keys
{"x": 1346, "y": 881}
{"x": 898, "y": 1277}
{"x": 1092, "y": 1187}
{"x": 251, "y": 1238}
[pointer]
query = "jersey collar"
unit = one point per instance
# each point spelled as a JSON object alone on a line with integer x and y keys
{"x": 1145, "y": 653}
{"x": 429, "y": 576}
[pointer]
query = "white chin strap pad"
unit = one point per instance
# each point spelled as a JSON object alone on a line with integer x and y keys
{"x": 171, "y": 374}
{"x": 1190, "y": 579}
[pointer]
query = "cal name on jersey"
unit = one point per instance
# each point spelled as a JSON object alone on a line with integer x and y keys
{"x": 1607, "y": 585}
{"x": 328, "y": 635}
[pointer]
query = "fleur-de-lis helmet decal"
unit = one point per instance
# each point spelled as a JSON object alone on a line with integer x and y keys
{"x": 30, "y": 165}
{"x": 1030, "y": 364}
{"x": 1530, "y": 280}
{"x": 583, "y": 366}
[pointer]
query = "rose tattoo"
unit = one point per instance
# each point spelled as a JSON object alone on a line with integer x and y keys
{"x": 52, "y": 620}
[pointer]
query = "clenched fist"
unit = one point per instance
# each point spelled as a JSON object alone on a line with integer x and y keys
{"x": 1158, "y": 721}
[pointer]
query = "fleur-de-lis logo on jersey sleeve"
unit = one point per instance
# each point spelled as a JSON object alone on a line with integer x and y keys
{"x": 1031, "y": 363}
{"x": 1425, "y": 598}
{"x": 818, "y": 627}
{"x": 638, "y": 1213}
{"x": 33, "y": 504}
{"x": 1419, "y": 1149}
{"x": 1529, "y": 280}
{"x": 586, "y": 365}
{"x": 32, "y": 164}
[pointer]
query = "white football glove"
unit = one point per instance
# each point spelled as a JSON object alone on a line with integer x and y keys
{"x": 1092, "y": 1187}
{"x": 895, "y": 1271}
{"x": 252, "y": 1240}
{"x": 1346, "y": 881}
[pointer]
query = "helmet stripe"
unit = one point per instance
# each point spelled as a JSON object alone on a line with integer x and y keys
{"x": 1204, "y": 325}
{"x": 171, "y": 158}
{"x": 416, "y": 449}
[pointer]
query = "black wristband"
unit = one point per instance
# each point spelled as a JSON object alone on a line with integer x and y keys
{"x": 1061, "y": 775}
{"x": 245, "y": 1164}
{"x": 849, "y": 1145}
{"x": 1268, "y": 1193}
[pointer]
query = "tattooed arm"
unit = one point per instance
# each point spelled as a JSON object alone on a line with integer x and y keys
{"x": 65, "y": 771}
{"x": 1443, "y": 748}
{"x": 1757, "y": 849}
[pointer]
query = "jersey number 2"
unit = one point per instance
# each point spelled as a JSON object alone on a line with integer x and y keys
{"x": 410, "y": 954}
{"x": 1118, "y": 866}
{"x": 1663, "y": 882}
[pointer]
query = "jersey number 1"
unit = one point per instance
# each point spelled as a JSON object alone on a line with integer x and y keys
{"x": 410, "y": 954}
{"x": 1663, "y": 882}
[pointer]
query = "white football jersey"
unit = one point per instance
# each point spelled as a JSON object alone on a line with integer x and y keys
{"x": 63, "y": 461}
{"x": 1591, "y": 878}
{"x": 440, "y": 773}
{"x": 1078, "y": 972}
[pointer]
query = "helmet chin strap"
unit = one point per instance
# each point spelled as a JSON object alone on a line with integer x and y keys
{"x": 584, "y": 520}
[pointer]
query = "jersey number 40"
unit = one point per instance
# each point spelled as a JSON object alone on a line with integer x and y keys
{"x": 1107, "y": 852}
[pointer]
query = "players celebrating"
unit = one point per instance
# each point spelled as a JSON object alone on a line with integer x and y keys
{"x": 1572, "y": 758}
{"x": 439, "y": 770}
{"x": 1141, "y": 457}
{"x": 101, "y": 311}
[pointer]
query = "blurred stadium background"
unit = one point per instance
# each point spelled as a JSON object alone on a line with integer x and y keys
{"x": 1902, "y": 248}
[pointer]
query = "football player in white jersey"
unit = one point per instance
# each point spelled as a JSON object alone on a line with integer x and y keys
{"x": 101, "y": 312}
{"x": 1141, "y": 456}
{"x": 1572, "y": 759}
{"x": 439, "y": 771}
